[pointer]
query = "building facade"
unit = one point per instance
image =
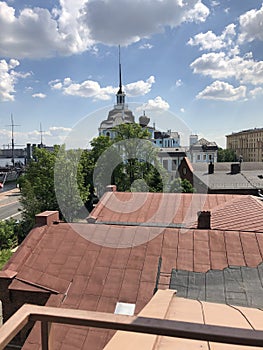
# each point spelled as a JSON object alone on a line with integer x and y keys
{"x": 247, "y": 143}
{"x": 202, "y": 151}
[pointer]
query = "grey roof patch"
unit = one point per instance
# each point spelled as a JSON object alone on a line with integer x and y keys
{"x": 236, "y": 285}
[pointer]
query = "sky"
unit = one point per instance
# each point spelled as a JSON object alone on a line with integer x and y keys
{"x": 193, "y": 65}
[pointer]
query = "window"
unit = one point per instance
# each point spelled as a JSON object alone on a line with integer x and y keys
{"x": 165, "y": 164}
{"x": 204, "y": 157}
{"x": 198, "y": 157}
{"x": 174, "y": 164}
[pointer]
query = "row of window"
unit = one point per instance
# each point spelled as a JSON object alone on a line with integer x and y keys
{"x": 205, "y": 157}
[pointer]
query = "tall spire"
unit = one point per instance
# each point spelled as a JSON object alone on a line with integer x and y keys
{"x": 120, "y": 94}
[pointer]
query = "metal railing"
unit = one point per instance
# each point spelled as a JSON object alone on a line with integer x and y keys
{"x": 48, "y": 315}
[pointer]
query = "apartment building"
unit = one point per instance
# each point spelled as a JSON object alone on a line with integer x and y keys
{"x": 248, "y": 144}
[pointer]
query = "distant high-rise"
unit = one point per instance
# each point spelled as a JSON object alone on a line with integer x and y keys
{"x": 247, "y": 143}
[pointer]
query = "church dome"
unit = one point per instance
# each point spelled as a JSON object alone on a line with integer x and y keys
{"x": 144, "y": 120}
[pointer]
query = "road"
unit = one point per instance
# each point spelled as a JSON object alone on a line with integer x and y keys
{"x": 9, "y": 204}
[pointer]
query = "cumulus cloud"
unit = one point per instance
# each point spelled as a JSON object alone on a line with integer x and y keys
{"x": 210, "y": 41}
{"x": 92, "y": 89}
{"x": 157, "y": 104}
{"x": 57, "y": 131}
{"x": 39, "y": 95}
{"x": 110, "y": 22}
{"x": 77, "y": 25}
{"x": 139, "y": 88}
{"x": 37, "y": 32}
{"x": 251, "y": 26}
{"x": 219, "y": 65}
{"x": 223, "y": 91}
{"x": 9, "y": 78}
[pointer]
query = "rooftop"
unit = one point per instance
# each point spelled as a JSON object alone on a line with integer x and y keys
{"x": 93, "y": 266}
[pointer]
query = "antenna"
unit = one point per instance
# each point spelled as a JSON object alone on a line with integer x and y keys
{"x": 12, "y": 135}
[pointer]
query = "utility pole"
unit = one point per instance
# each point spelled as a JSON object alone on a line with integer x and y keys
{"x": 12, "y": 139}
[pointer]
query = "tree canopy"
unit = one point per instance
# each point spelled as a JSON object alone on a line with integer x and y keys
{"x": 226, "y": 155}
{"x": 39, "y": 190}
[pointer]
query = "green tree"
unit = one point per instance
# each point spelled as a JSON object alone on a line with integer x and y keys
{"x": 226, "y": 155}
{"x": 89, "y": 159}
{"x": 37, "y": 188}
{"x": 140, "y": 168}
{"x": 8, "y": 237}
{"x": 181, "y": 186}
{"x": 71, "y": 190}
{"x": 39, "y": 191}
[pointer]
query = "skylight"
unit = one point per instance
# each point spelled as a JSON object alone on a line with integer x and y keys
{"x": 124, "y": 309}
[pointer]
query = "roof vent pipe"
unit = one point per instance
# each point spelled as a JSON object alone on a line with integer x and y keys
{"x": 235, "y": 168}
{"x": 204, "y": 220}
{"x": 211, "y": 168}
{"x": 111, "y": 188}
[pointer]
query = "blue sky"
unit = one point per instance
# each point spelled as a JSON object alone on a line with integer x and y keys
{"x": 194, "y": 63}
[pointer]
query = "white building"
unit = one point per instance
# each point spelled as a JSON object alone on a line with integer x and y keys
{"x": 202, "y": 151}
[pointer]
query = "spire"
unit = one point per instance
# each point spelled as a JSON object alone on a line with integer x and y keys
{"x": 120, "y": 82}
{"x": 120, "y": 94}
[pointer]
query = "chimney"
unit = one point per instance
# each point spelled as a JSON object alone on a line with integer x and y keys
{"x": 204, "y": 220}
{"x": 235, "y": 168}
{"x": 111, "y": 188}
{"x": 211, "y": 168}
{"x": 47, "y": 218}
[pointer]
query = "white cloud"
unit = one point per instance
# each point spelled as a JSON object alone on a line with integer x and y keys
{"x": 92, "y": 89}
{"x": 39, "y": 95}
{"x": 53, "y": 135}
{"x": 215, "y": 3}
{"x": 256, "y": 92}
{"x": 178, "y": 83}
{"x": 58, "y": 131}
{"x": 220, "y": 66}
{"x": 139, "y": 88}
{"x": 37, "y": 32}
{"x": 146, "y": 46}
{"x": 220, "y": 90}
{"x": 75, "y": 26}
{"x": 9, "y": 78}
{"x": 151, "y": 17}
{"x": 210, "y": 41}
{"x": 251, "y": 26}
{"x": 157, "y": 104}
{"x": 182, "y": 110}
{"x": 88, "y": 88}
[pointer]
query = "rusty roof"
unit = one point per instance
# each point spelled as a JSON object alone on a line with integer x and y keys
{"x": 228, "y": 212}
{"x": 94, "y": 266}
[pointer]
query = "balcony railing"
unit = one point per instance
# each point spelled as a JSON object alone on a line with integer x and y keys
{"x": 188, "y": 330}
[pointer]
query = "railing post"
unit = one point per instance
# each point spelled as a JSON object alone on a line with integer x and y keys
{"x": 45, "y": 330}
